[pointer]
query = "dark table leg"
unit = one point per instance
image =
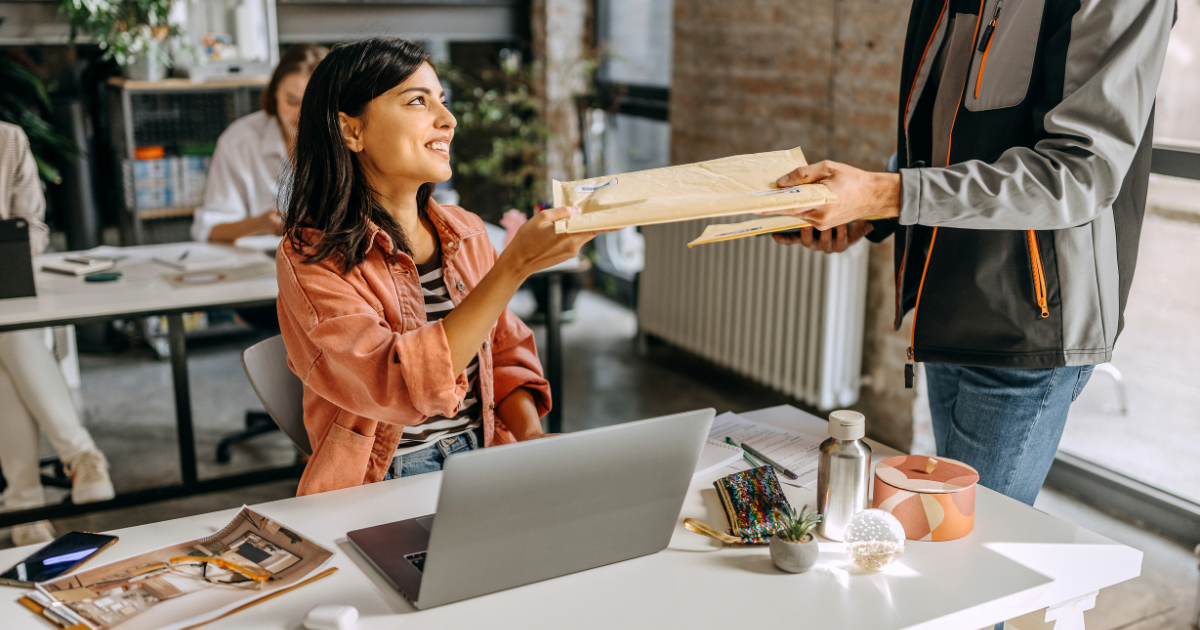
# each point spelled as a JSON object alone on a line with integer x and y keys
{"x": 554, "y": 307}
{"x": 183, "y": 399}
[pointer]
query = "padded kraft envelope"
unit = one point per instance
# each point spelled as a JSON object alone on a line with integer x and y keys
{"x": 717, "y": 188}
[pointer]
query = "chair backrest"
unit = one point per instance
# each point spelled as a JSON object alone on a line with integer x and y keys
{"x": 281, "y": 391}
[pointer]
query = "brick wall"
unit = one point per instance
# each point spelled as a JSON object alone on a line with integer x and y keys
{"x": 761, "y": 75}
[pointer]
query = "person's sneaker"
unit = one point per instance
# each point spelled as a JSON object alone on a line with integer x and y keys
{"x": 35, "y": 533}
{"x": 89, "y": 478}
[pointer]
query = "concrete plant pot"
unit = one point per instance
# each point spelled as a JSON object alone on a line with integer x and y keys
{"x": 794, "y": 557}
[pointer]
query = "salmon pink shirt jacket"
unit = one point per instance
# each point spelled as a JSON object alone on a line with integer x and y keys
{"x": 371, "y": 363}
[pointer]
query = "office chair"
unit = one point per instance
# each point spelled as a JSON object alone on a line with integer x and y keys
{"x": 281, "y": 391}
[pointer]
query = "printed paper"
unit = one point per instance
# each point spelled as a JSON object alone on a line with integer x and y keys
{"x": 150, "y": 592}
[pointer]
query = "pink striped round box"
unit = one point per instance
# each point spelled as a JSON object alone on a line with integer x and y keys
{"x": 934, "y": 506}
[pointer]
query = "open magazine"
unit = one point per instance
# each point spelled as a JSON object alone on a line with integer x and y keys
{"x": 191, "y": 583}
{"x": 734, "y": 185}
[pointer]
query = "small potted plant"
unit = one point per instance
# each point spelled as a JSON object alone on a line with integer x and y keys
{"x": 136, "y": 33}
{"x": 793, "y": 547}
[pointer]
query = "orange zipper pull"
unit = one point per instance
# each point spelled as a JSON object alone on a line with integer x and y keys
{"x": 1039, "y": 274}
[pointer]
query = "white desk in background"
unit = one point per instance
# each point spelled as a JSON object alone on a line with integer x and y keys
{"x": 142, "y": 291}
{"x": 1017, "y": 560}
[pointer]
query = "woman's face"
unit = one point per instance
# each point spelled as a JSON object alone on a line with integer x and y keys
{"x": 288, "y": 96}
{"x": 405, "y": 132}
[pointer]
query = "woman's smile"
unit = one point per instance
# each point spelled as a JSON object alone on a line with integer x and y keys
{"x": 441, "y": 146}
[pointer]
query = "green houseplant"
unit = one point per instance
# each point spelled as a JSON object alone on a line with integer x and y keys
{"x": 23, "y": 99}
{"x": 793, "y": 547}
{"x": 500, "y": 142}
{"x": 133, "y": 32}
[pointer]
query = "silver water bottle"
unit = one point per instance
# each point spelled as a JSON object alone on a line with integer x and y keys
{"x": 844, "y": 473}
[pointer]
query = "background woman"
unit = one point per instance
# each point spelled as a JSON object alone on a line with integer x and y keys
{"x": 34, "y": 397}
{"x": 394, "y": 309}
{"x": 243, "y": 179}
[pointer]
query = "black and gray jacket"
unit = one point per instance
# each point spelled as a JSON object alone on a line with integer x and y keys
{"x": 1024, "y": 147}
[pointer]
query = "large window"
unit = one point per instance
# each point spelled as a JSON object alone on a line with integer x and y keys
{"x": 635, "y": 41}
{"x": 626, "y": 125}
{"x": 1139, "y": 416}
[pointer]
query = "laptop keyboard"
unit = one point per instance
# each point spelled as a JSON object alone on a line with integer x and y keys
{"x": 417, "y": 560}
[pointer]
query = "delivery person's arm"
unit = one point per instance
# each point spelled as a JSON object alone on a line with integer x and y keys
{"x": 1113, "y": 62}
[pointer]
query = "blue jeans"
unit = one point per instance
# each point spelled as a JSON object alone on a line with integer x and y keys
{"x": 432, "y": 458}
{"x": 1006, "y": 422}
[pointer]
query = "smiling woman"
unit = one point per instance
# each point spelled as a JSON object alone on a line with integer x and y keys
{"x": 394, "y": 309}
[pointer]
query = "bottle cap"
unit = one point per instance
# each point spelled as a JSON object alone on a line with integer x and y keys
{"x": 847, "y": 425}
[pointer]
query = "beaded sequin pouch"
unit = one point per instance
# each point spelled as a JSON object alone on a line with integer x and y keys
{"x": 750, "y": 499}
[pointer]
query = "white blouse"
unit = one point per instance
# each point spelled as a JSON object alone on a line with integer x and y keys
{"x": 243, "y": 179}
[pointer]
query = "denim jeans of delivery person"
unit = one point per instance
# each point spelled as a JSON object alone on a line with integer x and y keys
{"x": 1005, "y": 422}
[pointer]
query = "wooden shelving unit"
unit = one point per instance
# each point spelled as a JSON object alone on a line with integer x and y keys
{"x": 172, "y": 113}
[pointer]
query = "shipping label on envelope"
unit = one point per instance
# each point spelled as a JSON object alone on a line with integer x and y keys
{"x": 728, "y": 186}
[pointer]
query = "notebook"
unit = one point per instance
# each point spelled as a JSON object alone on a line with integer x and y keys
{"x": 716, "y": 455}
{"x": 78, "y": 265}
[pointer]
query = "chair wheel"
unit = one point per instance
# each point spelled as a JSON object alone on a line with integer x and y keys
{"x": 224, "y": 456}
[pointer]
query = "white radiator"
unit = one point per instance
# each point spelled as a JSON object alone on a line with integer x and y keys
{"x": 786, "y": 317}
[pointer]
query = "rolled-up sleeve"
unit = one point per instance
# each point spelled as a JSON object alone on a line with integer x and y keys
{"x": 516, "y": 364}
{"x": 345, "y": 351}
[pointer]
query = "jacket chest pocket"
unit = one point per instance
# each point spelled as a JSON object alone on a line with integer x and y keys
{"x": 1005, "y": 54}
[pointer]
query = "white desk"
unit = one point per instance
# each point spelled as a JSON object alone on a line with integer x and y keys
{"x": 141, "y": 291}
{"x": 1016, "y": 561}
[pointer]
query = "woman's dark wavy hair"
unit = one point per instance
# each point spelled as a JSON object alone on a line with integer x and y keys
{"x": 327, "y": 189}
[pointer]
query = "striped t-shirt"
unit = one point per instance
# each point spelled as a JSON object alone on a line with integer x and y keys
{"x": 437, "y": 306}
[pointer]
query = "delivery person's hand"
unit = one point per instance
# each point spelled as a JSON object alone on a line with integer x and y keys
{"x": 832, "y": 241}
{"x": 860, "y": 194}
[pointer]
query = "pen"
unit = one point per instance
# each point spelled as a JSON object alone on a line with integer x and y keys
{"x": 753, "y": 462}
{"x": 786, "y": 473}
{"x": 185, "y": 254}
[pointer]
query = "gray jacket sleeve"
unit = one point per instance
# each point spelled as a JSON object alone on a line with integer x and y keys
{"x": 1113, "y": 64}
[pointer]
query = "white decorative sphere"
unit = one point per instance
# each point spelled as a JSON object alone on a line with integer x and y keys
{"x": 874, "y": 539}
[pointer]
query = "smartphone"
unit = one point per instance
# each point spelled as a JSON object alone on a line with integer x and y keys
{"x": 57, "y": 558}
{"x": 796, "y": 232}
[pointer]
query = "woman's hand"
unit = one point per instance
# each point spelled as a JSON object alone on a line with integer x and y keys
{"x": 269, "y": 222}
{"x": 536, "y": 246}
{"x": 518, "y": 413}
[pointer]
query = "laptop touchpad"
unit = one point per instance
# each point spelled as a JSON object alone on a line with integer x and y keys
{"x": 425, "y": 522}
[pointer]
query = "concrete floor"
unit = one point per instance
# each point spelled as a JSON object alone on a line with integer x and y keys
{"x": 128, "y": 404}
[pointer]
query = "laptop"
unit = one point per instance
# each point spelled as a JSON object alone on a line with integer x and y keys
{"x": 532, "y": 511}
